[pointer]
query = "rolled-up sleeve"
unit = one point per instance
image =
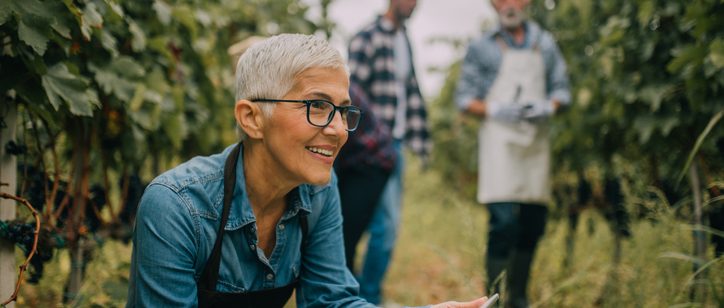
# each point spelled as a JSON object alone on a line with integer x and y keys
{"x": 476, "y": 75}
{"x": 465, "y": 91}
{"x": 164, "y": 250}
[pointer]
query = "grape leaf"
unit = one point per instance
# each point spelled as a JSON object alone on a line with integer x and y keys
{"x": 62, "y": 86}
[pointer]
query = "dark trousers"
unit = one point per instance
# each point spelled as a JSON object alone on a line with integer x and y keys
{"x": 515, "y": 230}
{"x": 359, "y": 190}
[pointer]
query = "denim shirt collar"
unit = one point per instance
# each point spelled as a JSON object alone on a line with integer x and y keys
{"x": 239, "y": 216}
{"x": 532, "y": 34}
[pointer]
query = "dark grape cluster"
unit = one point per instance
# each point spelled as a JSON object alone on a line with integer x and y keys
{"x": 135, "y": 191}
{"x": 615, "y": 212}
{"x": 610, "y": 203}
{"x": 35, "y": 184}
{"x": 14, "y": 148}
{"x": 43, "y": 254}
{"x": 23, "y": 235}
{"x": 128, "y": 212}
{"x": 97, "y": 199}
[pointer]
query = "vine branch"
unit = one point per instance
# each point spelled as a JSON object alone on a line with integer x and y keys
{"x": 23, "y": 266}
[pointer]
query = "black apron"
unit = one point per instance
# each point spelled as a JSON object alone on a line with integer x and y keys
{"x": 206, "y": 286}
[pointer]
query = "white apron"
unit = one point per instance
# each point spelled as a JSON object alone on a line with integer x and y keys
{"x": 514, "y": 158}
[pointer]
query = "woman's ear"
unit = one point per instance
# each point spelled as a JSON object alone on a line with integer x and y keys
{"x": 249, "y": 118}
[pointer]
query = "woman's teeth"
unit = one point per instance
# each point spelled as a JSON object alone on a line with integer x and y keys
{"x": 324, "y": 152}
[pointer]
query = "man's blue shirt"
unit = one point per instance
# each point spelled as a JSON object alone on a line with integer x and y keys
{"x": 484, "y": 56}
{"x": 176, "y": 226}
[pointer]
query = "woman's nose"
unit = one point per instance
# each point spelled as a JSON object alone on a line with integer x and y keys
{"x": 337, "y": 125}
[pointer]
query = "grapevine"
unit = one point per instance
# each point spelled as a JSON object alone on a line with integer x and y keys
{"x": 33, "y": 247}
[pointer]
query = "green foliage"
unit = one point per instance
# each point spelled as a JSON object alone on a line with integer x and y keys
{"x": 647, "y": 85}
{"x": 150, "y": 73}
{"x": 110, "y": 88}
{"x": 647, "y": 78}
{"x": 62, "y": 86}
{"x": 455, "y": 137}
{"x": 151, "y": 76}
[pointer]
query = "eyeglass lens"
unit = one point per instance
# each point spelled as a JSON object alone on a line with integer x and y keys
{"x": 321, "y": 113}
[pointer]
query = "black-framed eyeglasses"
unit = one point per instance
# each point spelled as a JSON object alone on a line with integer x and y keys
{"x": 321, "y": 112}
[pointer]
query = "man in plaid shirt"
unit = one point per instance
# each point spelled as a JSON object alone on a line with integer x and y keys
{"x": 380, "y": 61}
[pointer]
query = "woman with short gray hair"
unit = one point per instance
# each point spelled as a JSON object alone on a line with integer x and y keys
{"x": 248, "y": 226}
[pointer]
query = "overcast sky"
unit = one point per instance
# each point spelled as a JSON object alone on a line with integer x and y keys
{"x": 460, "y": 19}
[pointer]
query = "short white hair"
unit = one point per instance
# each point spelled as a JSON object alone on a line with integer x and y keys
{"x": 268, "y": 68}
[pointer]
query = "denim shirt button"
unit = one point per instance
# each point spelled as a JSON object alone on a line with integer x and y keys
{"x": 269, "y": 276}
{"x": 281, "y": 227}
{"x": 252, "y": 246}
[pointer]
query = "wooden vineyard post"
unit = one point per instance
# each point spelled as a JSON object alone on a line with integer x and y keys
{"x": 8, "y": 176}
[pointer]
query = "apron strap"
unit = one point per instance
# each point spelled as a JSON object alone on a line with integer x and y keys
{"x": 211, "y": 271}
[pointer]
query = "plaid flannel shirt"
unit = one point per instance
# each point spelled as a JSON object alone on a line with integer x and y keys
{"x": 372, "y": 66}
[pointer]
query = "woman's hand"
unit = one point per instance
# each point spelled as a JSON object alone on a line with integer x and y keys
{"x": 472, "y": 304}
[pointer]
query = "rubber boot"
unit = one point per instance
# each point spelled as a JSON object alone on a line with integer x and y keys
{"x": 518, "y": 279}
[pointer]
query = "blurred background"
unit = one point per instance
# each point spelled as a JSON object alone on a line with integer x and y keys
{"x": 436, "y": 30}
{"x": 100, "y": 96}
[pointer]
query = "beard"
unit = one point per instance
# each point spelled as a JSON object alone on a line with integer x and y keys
{"x": 511, "y": 18}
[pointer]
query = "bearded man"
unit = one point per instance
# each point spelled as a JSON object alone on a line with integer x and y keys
{"x": 514, "y": 79}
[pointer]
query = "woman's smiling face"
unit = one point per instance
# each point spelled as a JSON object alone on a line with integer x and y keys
{"x": 302, "y": 152}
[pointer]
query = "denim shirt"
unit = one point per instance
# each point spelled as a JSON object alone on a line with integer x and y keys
{"x": 483, "y": 58}
{"x": 177, "y": 223}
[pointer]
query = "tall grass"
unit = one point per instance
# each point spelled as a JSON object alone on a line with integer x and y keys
{"x": 441, "y": 249}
